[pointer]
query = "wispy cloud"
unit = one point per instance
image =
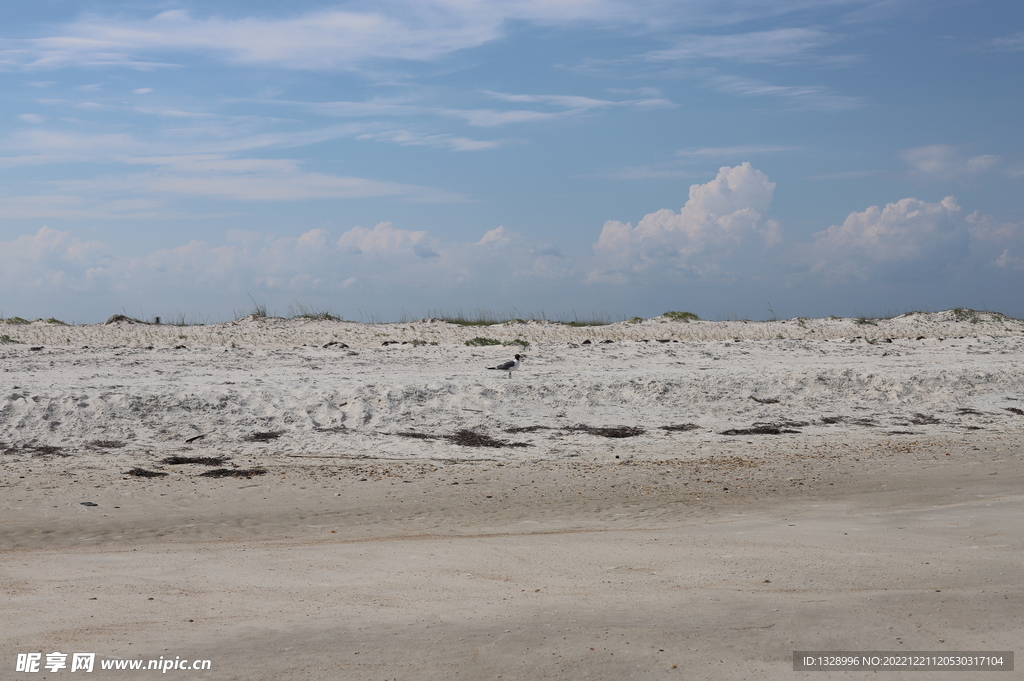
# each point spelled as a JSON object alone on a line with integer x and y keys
{"x": 799, "y": 96}
{"x": 1011, "y": 43}
{"x": 336, "y": 38}
{"x": 730, "y": 152}
{"x": 945, "y": 162}
{"x": 410, "y": 138}
{"x": 783, "y": 45}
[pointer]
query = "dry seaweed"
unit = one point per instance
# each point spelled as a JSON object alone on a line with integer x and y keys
{"x": 39, "y": 450}
{"x": 233, "y": 472}
{"x": 470, "y": 438}
{"x": 924, "y": 420}
{"x": 680, "y": 427}
{"x": 143, "y": 473}
{"x": 762, "y": 429}
{"x": 615, "y": 432}
{"x": 106, "y": 444}
{"x": 1015, "y": 410}
{"x": 415, "y": 435}
{"x": 333, "y": 429}
{"x": 766, "y": 400}
{"x": 202, "y": 460}
{"x": 526, "y": 429}
{"x": 832, "y": 420}
{"x": 264, "y": 437}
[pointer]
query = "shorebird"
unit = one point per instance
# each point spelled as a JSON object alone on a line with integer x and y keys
{"x": 509, "y": 366}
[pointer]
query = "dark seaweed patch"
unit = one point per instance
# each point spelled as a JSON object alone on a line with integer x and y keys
{"x": 969, "y": 412}
{"x": 469, "y": 438}
{"x": 832, "y": 420}
{"x": 106, "y": 444}
{"x": 233, "y": 472}
{"x": 762, "y": 429}
{"x": 143, "y": 473}
{"x": 333, "y": 429}
{"x": 1015, "y": 410}
{"x": 264, "y": 437}
{"x": 615, "y": 432}
{"x": 39, "y": 450}
{"x": 201, "y": 460}
{"x": 415, "y": 435}
{"x": 766, "y": 400}
{"x": 527, "y": 429}
{"x": 924, "y": 420}
{"x": 680, "y": 427}
{"x": 902, "y": 432}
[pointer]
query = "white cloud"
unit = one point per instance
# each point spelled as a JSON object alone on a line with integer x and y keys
{"x": 142, "y": 91}
{"x": 410, "y": 138}
{"x": 908, "y": 233}
{"x": 741, "y": 150}
{"x": 140, "y": 194}
{"x": 487, "y": 118}
{"x": 718, "y": 216}
{"x": 779, "y": 45}
{"x": 32, "y": 118}
{"x": 499, "y": 236}
{"x": 424, "y": 30}
{"x": 1011, "y": 43}
{"x": 1001, "y": 243}
{"x": 378, "y": 265}
{"x": 945, "y": 162}
{"x": 48, "y": 259}
{"x": 801, "y": 96}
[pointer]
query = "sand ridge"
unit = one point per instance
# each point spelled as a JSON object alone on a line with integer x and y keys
{"x": 693, "y": 508}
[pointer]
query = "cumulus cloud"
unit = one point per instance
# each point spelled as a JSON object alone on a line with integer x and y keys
{"x": 908, "y": 233}
{"x": 717, "y": 216}
{"x": 374, "y": 265}
{"x": 998, "y": 242}
{"x": 49, "y": 259}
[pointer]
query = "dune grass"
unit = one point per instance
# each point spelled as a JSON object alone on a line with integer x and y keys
{"x": 485, "y": 317}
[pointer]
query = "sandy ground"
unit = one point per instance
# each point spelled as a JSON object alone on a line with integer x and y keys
{"x": 888, "y": 517}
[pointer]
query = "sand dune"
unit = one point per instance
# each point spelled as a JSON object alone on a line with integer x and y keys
{"x": 385, "y": 499}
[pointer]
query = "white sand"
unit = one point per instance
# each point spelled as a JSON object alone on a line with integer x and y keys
{"x": 902, "y": 482}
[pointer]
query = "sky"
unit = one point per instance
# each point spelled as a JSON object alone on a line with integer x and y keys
{"x": 600, "y": 158}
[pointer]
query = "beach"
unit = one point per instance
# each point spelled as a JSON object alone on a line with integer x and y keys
{"x": 667, "y": 499}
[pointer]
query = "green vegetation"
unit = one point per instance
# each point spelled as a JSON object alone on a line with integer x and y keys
{"x": 518, "y": 341}
{"x": 53, "y": 320}
{"x": 300, "y": 311}
{"x": 635, "y": 320}
{"x": 482, "y": 317}
{"x": 862, "y": 320}
{"x": 681, "y": 316}
{"x": 7, "y": 340}
{"x": 963, "y": 314}
{"x": 479, "y": 342}
{"x": 17, "y": 320}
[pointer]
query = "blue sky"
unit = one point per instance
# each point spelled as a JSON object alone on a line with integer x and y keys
{"x": 624, "y": 158}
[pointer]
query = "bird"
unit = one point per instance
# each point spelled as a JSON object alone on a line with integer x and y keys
{"x": 509, "y": 366}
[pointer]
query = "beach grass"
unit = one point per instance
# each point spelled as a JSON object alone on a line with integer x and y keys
{"x": 486, "y": 317}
